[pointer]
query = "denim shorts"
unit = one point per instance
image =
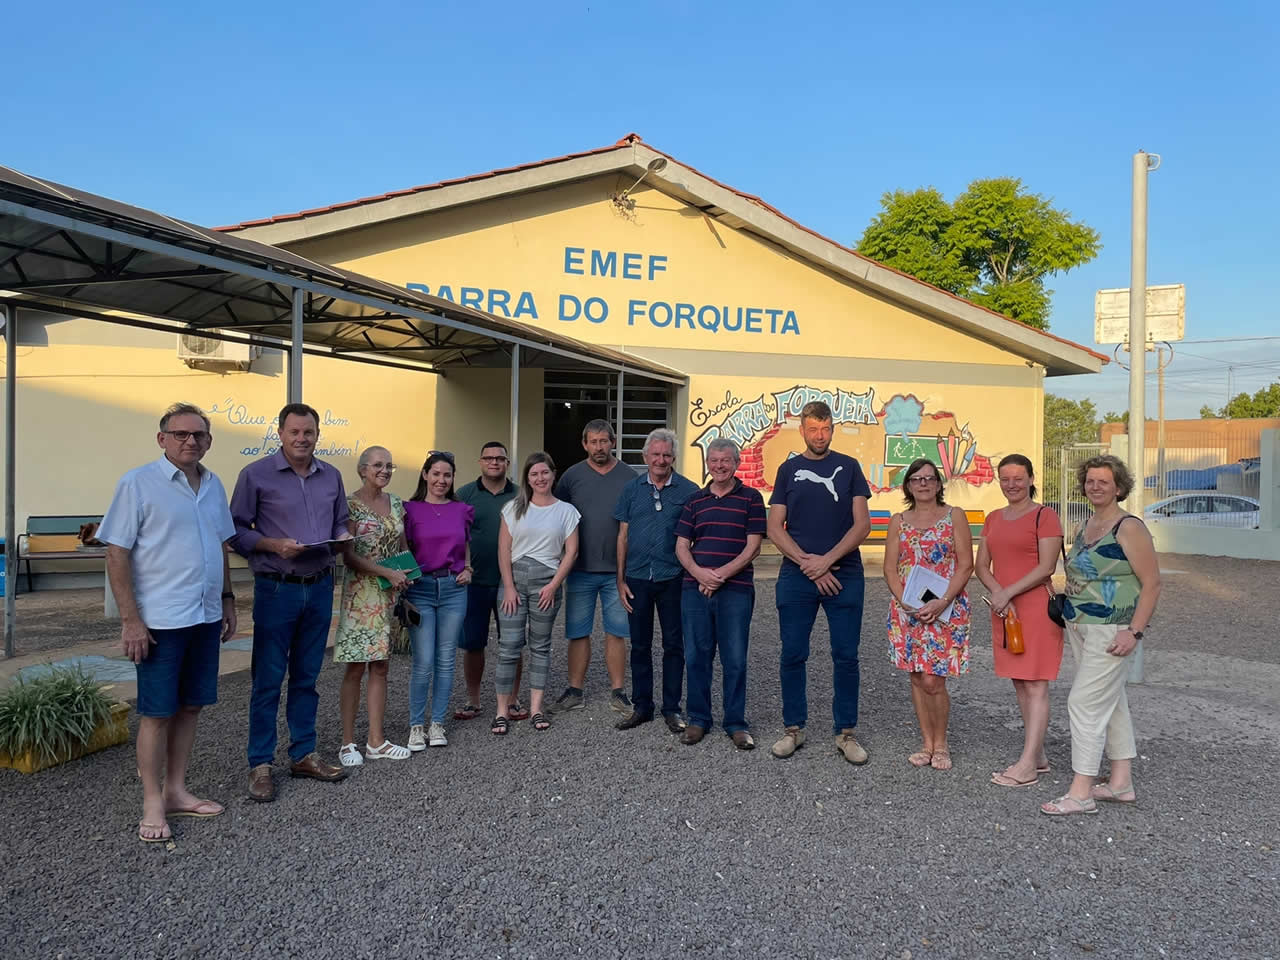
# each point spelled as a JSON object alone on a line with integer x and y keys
{"x": 180, "y": 671}
{"x": 482, "y": 609}
{"x": 581, "y": 590}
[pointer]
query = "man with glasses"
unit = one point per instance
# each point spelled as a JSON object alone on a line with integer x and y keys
{"x": 289, "y": 510}
{"x": 593, "y": 486}
{"x": 167, "y": 565}
{"x": 487, "y": 495}
{"x": 817, "y": 518}
{"x": 650, "y": 577}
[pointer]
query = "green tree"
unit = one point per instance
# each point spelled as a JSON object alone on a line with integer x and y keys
{"x": 1069, "y": 421}
{"x": 995, "y": 244}
{"x": 1264, "y": 403}
{"x": 1112, "y": 417}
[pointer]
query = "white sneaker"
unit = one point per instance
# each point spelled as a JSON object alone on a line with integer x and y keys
{"x": 436, "y": 736}
{"x": 417, "y": 739}
{"x": 388, "y": 751}
{"x": 349, "y": 755}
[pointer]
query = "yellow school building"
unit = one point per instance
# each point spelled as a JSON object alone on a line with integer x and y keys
{"x": 749, "y": 314}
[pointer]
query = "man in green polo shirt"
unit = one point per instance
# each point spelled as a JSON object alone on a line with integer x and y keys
{"x": 487, "y": 494}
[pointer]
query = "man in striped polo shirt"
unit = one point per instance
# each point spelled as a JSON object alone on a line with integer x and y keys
{"x": 719, "y": 534}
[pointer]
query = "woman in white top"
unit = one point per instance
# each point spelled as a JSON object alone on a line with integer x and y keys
{"x": 537, "y": 544}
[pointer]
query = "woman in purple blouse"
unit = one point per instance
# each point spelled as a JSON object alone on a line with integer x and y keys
{"x": 437, "y": 527}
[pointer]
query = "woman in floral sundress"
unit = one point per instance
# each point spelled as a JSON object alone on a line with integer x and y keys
{"x": 931, "y": 535}
{"x": 365, "y": 620}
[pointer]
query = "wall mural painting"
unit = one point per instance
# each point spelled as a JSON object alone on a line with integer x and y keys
{"x": 884, "y": 438}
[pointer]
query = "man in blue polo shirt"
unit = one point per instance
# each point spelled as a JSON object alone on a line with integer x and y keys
{"x": 718, "y": 536}
{"x": 817, "y": 518}
{"x": 649, "y": 577}
{"x": 167, "y": 565}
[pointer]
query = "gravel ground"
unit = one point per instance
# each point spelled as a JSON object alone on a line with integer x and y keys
{"x": 593, "y": 842}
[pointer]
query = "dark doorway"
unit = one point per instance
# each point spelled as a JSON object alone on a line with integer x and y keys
{"x": 563, "y": 422}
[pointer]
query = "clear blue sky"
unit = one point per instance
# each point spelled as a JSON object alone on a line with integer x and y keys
{"x": 223, "y": 112}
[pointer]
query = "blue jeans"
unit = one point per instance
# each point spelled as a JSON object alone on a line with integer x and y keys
{"x": 721, "y": 620}
{"x": 290, "y": 631}
{"x": 664, "y": 595}
{"x": 443, "y": 605}
{"x": 798, "y": 601}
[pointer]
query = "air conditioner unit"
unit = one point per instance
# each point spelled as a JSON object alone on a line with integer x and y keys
{"x": 197, "y": 351}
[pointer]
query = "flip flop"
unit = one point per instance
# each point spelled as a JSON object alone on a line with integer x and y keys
{"x": 517, "y": 712}
{"x": 1004, "y": 780}
{"x": 921, "y": 758}
{"x": 469, "y": 712}
{"x": 164, "y": 837}
{"x": 202, "y": 809}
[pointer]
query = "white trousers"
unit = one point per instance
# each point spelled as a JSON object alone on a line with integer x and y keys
{"x": 1098, "y": 705}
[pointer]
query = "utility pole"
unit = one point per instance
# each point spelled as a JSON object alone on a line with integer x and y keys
{"x": 1143, "y": 164}
{"x": 1162, "y": 485}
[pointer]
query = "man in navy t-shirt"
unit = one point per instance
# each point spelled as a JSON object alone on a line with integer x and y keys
{"x": 817, "y": 518}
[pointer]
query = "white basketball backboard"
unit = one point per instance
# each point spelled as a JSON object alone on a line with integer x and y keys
{"x": 1166, "y": 314}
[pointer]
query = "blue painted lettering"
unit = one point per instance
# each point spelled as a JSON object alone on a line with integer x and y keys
{"x": 445, "y": 293}
{"x": 472, "y": 297}
{"x": 684, "y": 311}
{"x": 731, "y": 323}
{"x": 419, "y": 287}
{"x": 790, "y": 323}
{"x": 525, "y": 306}
{"x": 597, "y": 313}
{"x": 753, "y": 319}
{"x": 653, "y": 313}
{"x": 604, "y": 264}
{"x": 635, "y": 308}
{"x": 657, "y": 264}
{"x": 573, "y": 260}
{"x": 499, "y": 300}
{"x": 631, "y": 265}
{"x": 570, "y": 307}
{"x": 773, "y": 318}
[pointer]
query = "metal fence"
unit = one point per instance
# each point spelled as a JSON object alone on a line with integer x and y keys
{"x": 1059, "y": 489}
{"x": 1209, "y": 477}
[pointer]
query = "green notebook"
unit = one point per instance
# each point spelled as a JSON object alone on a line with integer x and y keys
{"x": 400, "y": 561}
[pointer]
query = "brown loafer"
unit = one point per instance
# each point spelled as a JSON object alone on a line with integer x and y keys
{"x": 692, "y": 734}
{"x": 261, "y": 787}
{"x": 312, "y": 766}
{"x": 742, "y": 740}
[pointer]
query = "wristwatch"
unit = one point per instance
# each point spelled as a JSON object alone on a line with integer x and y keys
{"x": 1137, "y": 634}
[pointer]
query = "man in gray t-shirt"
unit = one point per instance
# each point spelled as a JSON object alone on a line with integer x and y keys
{"x": 593, "y": 487}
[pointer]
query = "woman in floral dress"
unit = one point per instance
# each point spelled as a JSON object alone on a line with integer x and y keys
{"x": 923, "y": 639}
{"x": 365, "y": 619}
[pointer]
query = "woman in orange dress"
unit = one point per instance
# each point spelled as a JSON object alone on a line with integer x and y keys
{"x": 1016, "y": 559}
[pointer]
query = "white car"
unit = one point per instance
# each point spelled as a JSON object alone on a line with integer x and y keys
{"x": 1207, "y": 509}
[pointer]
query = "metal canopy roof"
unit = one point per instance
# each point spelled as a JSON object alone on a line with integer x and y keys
{"x": 68, "y": 251}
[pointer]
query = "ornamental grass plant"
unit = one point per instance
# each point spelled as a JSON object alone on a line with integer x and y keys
{"x": 51, "y": 714}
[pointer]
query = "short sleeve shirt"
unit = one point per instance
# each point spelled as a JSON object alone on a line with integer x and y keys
{"x": 540, "y": 534}
{"x": 437, "y": 533}
{"x": 651, "y": 532}
{"x": 484, "y": 530}
{"x": 717, "y": 528}
{"x": 595, "y": 495}
{"x": 174, "y": 536}
{"x": 818, "y": 495}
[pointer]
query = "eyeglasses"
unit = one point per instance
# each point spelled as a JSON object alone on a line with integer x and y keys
{"x": 378, "y": 467}
{"x": 657, "y": 502}
{"x": 502, "y": 459}
{"x": 182, "y": 436}
{"x": 923, "y": 481}
{"x": 443, "y": 454}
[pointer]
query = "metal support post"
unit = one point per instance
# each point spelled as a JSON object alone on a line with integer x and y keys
{"x": 617, "y": 415}
{"x": 295, "y": 348}
{"x": 515, "y": 404}
{"x": 1162, "y": 483}
{"x": 10, "y": 479}
{"x": 1143, "y": 163}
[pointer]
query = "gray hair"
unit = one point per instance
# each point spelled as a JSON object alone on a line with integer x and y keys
{"x": 660, "y": 435}
{"x": 365, "y": 455}
{"x": 599, "y": 426}
{"x": 724, "y": 443}
{"x": 182, "y": 409}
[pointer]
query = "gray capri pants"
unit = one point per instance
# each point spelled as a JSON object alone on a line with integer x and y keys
{"x": 529, "y": 576}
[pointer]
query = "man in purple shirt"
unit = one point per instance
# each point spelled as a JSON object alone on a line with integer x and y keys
{"x": 287, "y": 509}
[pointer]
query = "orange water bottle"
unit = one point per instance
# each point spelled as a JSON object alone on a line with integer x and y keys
{"x": 1012, "y": 631}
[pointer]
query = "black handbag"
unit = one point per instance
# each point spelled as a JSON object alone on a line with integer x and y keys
{"x": 406, "y": 612}
{"x": 1057, "y": 601}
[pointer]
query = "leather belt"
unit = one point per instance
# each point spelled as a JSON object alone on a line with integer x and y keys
{"x": 438, "y": 574}
{"x": 297, "y": 578}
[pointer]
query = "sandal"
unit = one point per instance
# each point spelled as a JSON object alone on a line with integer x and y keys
{"x": 540, "y": 723}
{"x": 941, "y": 760}
{"x": 517, "y": 712}
{"x": 387, "y": 751}
{"x": 1004, "y": 780}
{"x": 469, "y": 712}
{"x": 1067, "y": 805}
{"x": 1105, "y": 793}
{"x": 165, "y": 834}
{"x": 499, "y": 726}
{"x": 921, "y": 758}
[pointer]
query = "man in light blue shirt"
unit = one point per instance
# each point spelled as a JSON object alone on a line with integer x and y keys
{"x": 165, "y": 533}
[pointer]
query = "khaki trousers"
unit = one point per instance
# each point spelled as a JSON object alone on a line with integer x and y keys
{"x": 1098, "y": 705}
